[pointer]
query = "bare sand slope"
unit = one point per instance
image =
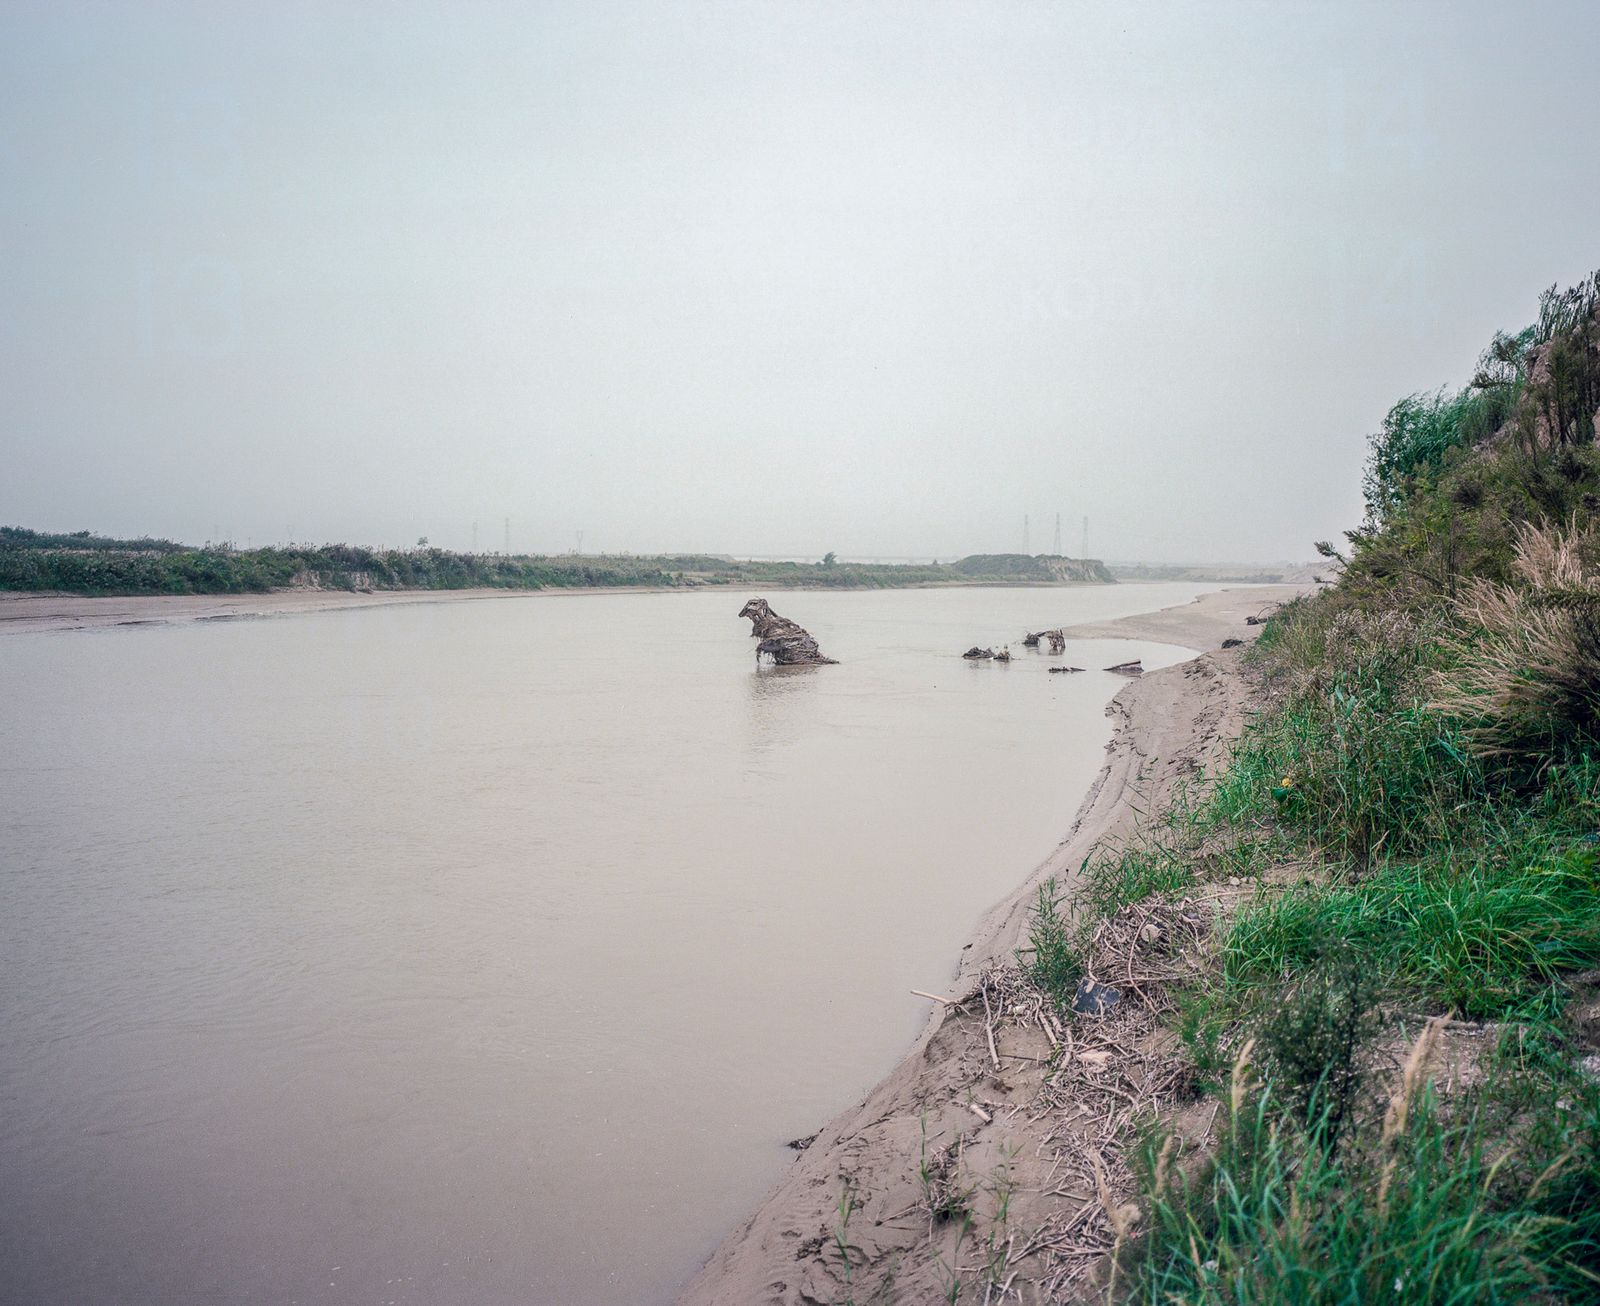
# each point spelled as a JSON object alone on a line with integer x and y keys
{"x": 1205, "y": 623}
{"x": 1170, "y": 723}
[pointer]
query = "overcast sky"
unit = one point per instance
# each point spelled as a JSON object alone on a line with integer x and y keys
{"x": 763, "y": 277}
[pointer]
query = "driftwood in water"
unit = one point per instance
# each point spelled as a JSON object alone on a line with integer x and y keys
{"x": 1134, "y": 668}
{"x": 1064, "y": 671}
{"x": 1030, "y": 639}
{"x": 786, "y": 643}
{"x": 1004, "y": 655}
{"x": 1057, "y": 639}
{"x": 976, "y": 654}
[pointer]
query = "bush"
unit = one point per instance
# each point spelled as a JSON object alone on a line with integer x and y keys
{"x": 1419, "y": 433}
{"x": 1523, "y": 670}
{"x": 1050, "y": 959}
{"x": 1312, "y": 1033}
{"x": 1351, "y": 759}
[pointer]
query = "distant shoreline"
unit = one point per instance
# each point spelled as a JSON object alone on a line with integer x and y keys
{"x": 24, "y": 611}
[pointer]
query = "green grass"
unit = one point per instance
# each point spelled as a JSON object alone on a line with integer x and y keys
{"x": 1484, "y": 940}
{"x": 1133, "y": 874}
{"x": 1439, "y": 1214}
{"x": 1361, "y": 769}
{"x": 1051, "y": 958}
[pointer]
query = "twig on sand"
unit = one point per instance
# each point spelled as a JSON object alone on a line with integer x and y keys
{"x": 988, "y": 1023}
{"x": 980, "y": 1113}
{"x": 1107, "y": 1079}
{"x": 933, "y": 997}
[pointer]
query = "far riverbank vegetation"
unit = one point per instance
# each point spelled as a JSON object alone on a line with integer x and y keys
{"x": 84, "y": 563}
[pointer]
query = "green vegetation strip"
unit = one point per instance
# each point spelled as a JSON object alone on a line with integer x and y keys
{"x": 1413, "y": 823}
{"x": 84, "y": 563}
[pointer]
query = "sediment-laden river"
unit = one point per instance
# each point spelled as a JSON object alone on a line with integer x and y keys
{"x": 488, "y": 952}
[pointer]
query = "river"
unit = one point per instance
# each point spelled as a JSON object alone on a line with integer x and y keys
{"x": 489, "y": 952}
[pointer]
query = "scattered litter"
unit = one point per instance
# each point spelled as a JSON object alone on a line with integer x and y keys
{"x": 1093, "y": 999}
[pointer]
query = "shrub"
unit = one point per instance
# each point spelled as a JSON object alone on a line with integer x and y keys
{"x": 1312, "y": 1033}
{"x": 1050, "y": 959}
{"x": 1523, "y": 672}
{"x": 1352, "y": 761}
{"x": 1419, "y": 432}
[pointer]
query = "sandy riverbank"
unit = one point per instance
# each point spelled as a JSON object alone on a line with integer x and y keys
{"x": 54, "y": 612}
{"x": 1169, "y": 724}
{"x": 22, "y": 612}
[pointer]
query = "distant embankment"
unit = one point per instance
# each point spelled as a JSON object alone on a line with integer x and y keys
{"x": 1279, "y": 573}
{"x": 82, "y": 563}
{"x": 1033, "y": 568}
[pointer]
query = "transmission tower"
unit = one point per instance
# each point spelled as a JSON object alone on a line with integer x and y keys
{"x": 1055, "y": 548}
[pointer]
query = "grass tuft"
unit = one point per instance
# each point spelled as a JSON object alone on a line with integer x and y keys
{"x": 1279, "y": 1217}
{"x": 1051, "y": 958}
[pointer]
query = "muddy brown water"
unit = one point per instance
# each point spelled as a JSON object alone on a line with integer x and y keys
{"x": 488, "y": 952}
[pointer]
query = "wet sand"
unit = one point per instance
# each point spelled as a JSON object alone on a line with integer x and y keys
{"x": 1192, "y": 625}
{"x": 1203, "y": 624}
{"x": 21, "y": 612}
{"x": 1169, "y": 723}
{"x": 82, "y": 612}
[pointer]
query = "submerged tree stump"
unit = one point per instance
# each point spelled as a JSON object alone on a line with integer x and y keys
{"x": 787, "y": 644}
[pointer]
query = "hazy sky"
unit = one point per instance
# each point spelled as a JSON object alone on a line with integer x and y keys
{"x": 763, "y": 277}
